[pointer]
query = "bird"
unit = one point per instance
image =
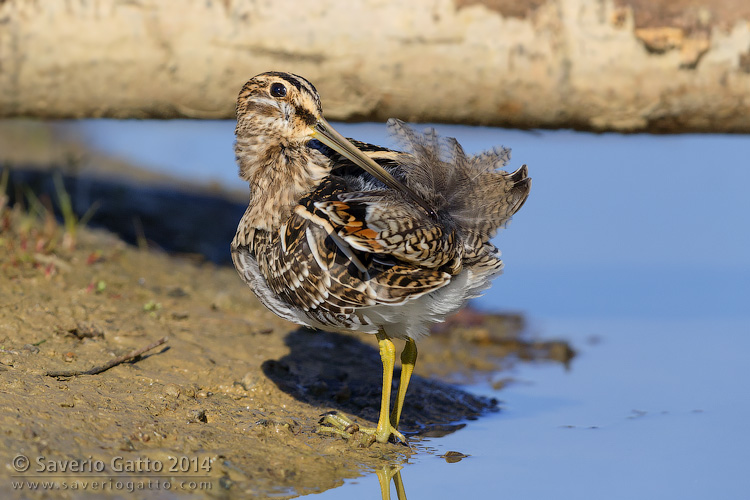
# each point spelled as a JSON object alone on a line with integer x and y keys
{"x": 341, "y": 235}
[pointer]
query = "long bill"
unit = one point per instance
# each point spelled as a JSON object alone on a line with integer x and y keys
{"x": 328, "y": 136}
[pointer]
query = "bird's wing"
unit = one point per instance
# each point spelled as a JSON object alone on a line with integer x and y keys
{"x": 310, "y": 271}
{"x": 402, "y": 251}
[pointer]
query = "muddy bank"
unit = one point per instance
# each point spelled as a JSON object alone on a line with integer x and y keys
{"x": 229, "y": 405}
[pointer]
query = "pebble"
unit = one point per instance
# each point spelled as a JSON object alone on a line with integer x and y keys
{"x": 31, "y": 348}
{"x": 172, "y": 390}
{"x": 67, "y": 403}
{"x": 197, "y": 416}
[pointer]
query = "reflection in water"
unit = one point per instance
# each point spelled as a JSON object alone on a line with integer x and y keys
{"x": 393, "y": 471}
{"x": 385, "y": 474}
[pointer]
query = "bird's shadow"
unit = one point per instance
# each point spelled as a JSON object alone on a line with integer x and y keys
{"x": 335, "y": 371}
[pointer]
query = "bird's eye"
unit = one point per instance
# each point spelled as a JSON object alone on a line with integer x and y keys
{"x": 278, "y": 90}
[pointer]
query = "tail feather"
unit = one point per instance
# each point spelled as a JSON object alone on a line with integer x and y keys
{"x": 477, "y": 196}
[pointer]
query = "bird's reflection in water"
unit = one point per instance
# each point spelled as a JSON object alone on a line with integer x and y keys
{"x": 385, "y": 474}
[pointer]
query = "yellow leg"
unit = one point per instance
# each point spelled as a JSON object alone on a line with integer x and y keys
{"x": 343, "y": 426}
{"x": 388, "y": 357}
{"x": 408, "y": 360}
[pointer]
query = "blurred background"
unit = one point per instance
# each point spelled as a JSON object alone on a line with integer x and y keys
{"x": 632, "y": 116}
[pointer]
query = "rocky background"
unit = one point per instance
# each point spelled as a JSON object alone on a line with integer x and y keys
{"x": 622, "y": 65}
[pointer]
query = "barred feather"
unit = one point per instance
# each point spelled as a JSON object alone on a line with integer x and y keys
{"x": 478, "y": 197}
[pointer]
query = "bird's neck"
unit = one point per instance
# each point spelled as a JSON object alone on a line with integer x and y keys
{"x": 279, "y": 174}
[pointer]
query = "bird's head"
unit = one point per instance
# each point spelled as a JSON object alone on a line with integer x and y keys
{"x": 281, "y": 106}
{"x": 279, "y": 113}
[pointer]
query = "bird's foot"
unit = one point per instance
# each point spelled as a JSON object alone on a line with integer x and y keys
{"x": 335, "y": 423}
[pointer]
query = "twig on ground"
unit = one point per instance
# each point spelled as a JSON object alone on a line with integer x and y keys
{"x": 51, "y": 259}
{"x": 101, "y": 368}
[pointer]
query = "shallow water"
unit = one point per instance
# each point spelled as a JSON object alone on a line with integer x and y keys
{"x": 652, "y": 410}
{"x": 634, "y": 248}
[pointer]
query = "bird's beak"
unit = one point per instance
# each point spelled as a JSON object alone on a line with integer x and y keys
{"x": 326, "y": 134}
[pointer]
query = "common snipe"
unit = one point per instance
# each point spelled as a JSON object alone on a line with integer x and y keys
{"x": 342, "y": 235}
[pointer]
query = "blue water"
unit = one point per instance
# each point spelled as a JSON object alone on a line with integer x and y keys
{"x": 639, "y": 242}
{"x": 653, "y": 411}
